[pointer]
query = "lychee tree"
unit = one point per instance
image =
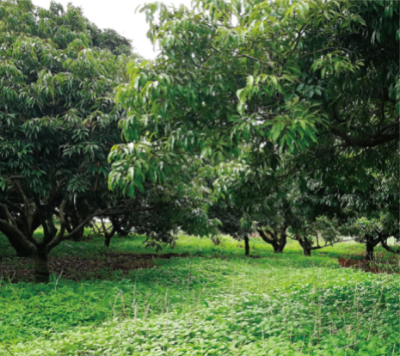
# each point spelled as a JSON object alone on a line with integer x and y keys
{"x": 58, "y": 122}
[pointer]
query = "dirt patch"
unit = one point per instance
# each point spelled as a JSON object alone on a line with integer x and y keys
{"x": 367, "y": 266}
{"x": 77, "y": 268}
{"x": 387, "y": 265}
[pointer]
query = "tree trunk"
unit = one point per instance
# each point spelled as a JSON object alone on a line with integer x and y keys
{"x": 277, "y": 244}
{"x": 278, "y": 248}
{"x": 370, "y": 252}
{"x": 79, "y": 236}
{"x": 72, "y": 222}
{"x": 282, "y": 240}
{"x": 42, "y": 273}
{"x": 247, "y": 246}
{"x": 107, "y": 241}
{"x": 108, "y": 236}
{"x": 305, "y": 244}
{"x": 117, "y": 226}
{"x": 68, "y": 224}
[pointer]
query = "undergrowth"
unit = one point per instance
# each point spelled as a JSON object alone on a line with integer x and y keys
{"x": 214, "y": 302}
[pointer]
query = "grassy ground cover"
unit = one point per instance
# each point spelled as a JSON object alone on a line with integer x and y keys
{"x": 214, "y": 301}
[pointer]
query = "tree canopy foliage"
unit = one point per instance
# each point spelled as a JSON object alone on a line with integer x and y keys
{"x": 307, "y": 89}
{"x": 273, "y": 116}
{"x": 58, "y": 118}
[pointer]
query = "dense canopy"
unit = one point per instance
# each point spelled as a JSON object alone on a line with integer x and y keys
{"x": 273, "y": 117}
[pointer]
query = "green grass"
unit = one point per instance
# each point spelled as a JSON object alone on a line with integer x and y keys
{"x": 214, "y": 302}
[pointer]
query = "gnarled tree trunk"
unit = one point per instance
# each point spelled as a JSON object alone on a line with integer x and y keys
{"x": 282, "y": 240}
{"x": 52, "y": 237}
{"x": 116, "y": 229}
{"x": 305, "y": 244}
{"x": 271, "y": 237}
{"x": 118, "y": 225}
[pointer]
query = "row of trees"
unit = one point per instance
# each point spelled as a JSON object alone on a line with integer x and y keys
{"x": 294, "y": 104}
{"x": 279, "y": 117}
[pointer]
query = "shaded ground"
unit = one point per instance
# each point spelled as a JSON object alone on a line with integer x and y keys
{"x": 79, "y": 268}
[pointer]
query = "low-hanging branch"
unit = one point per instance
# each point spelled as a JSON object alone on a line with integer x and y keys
{"x": 18, "y": 235}
{"x": 389, "y": 248}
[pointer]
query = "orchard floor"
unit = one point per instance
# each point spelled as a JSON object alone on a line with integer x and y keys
{"x": 209, "y": 300}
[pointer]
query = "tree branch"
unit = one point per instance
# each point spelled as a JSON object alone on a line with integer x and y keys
{"x": 324, "y": 49}
{"x": 108, "y": 212}
{"x": 15, "y": 206}
{"x": 300, "y": 33}
{"x": 20, "y": 191}
{"x": 41, "y": 217}
{"x": 8, "y": 215}
{"x": 27, "y": 211}
{"x": 63, "y": 222}
{"x": 269, "y": 64}
{"x": 15, "y": 232}
{"x": 265, "y": 237}
{"x": 389, "y": 248}
{"x": 374, "y": 141}
{"x": 107, "y": 234}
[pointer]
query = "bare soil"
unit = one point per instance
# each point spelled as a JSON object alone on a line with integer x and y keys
{"x": 379, "y": 265}
{"x": 77, "y": 268}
